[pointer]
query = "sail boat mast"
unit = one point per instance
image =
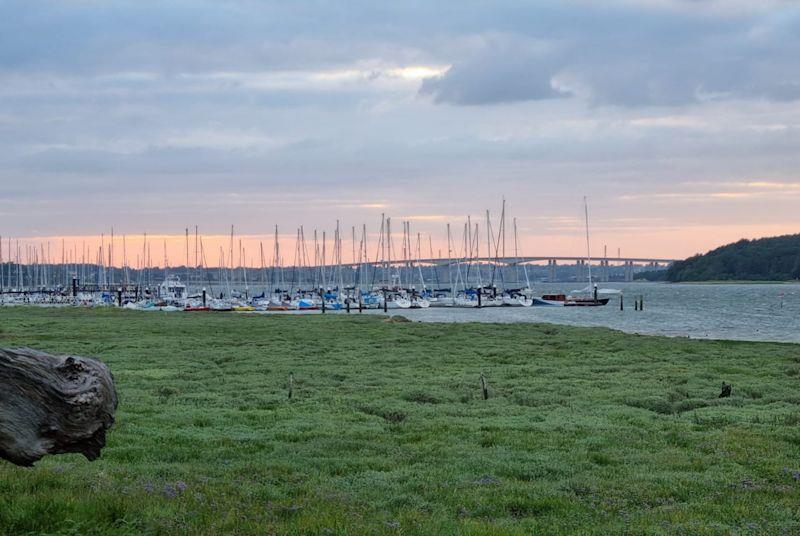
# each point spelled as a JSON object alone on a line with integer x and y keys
{"x": 588, "y": 250}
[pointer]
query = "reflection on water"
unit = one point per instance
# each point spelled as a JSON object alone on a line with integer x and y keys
{"x": 730, "y": 311}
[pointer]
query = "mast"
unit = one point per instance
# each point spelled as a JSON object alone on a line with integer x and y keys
{"x": 111, "y": 257}
{"x": 187, "y": 257}
{"x": 230, "y": 259}
{"x": 588, "y": 251}
{"x": 196, "y": 264}
{"x": 125, "y": 260}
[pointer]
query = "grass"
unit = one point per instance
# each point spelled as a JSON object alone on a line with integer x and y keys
{"x": 586, "y": 431}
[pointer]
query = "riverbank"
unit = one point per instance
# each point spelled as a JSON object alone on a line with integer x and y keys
{"x": 586, "y": 430}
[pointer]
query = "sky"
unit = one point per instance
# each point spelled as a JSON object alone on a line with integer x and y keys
{"x": 679, "y": 120}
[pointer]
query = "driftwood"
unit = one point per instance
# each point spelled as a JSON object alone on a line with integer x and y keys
{"x": 53, "y": 405}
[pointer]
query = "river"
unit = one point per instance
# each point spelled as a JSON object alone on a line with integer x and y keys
{"x": 754, "y": 312}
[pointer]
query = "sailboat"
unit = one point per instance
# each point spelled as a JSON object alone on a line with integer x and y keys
{"x": 586, "y": 297}
{"x": 589, "y": 296}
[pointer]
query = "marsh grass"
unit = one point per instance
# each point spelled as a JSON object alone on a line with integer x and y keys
{"x": 586, "y": 430}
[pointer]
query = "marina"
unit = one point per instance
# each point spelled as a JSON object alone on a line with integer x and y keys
{"x": 379, "y": 275}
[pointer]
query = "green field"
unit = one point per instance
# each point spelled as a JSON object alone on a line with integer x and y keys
{"x": 586, "y": 430}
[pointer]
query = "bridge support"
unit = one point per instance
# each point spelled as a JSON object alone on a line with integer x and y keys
{"x": 628, "y": 271}
{"x": 604, "y": 270}
{"x": 582, "y": 267}
{"x": 551, "y": 269}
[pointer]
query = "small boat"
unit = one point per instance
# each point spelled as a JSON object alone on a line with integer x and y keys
{"x": 304, "y": 304}
{"x": 585, "y": 301}
{"x": 418, "y": 302}
{"x": 587, "y": 297}
{"x": 220, "y": 306}
{"x": 516, "y": 300}
{"x": 550, "y": 300}
{"x": 398, "y": 302}
{"x": 172, "y": 290}
{"x": 194, "y": 308}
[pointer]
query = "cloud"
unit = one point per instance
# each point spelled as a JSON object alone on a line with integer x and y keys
{"x": 256, "y": 112}
{"x": 505, "y": 70}
{"x": 634, "y": 54}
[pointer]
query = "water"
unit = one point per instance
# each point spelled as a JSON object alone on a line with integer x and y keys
{"x": 730, "y": 311}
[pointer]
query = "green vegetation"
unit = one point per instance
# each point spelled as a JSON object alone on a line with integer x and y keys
{"x": 586, "y": 431}
{"x": 766, "y": 259}
{"x": 651, "y": 275}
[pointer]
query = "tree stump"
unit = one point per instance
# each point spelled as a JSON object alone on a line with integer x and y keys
{"x": 53, "y": 405}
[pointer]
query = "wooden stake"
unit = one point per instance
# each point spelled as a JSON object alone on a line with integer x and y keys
{"x": 291, "y": 384}
{"x": 484, "y": 387}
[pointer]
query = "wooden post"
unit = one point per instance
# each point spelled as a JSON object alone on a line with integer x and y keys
{"x": 119, "y": 297}
{"x": 641, "y": 302}
{"x": 347, "y": 304}
{"x": 74, "y": 287}
{"x": 480, "y": 291}
{"x": 291, "y": 384}
{"x": 385, "y": 307}
{"x": 484, "y": 387}
{"x": 621, "y": 302}
{"x": 204, "y": 296}
{"x": 322, "y": 295}
{"x": 360, "y": 302}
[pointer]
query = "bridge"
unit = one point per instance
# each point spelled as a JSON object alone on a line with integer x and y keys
{"x": 602, "y": 265}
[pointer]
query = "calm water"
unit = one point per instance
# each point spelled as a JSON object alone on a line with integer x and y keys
{"x": 735, "y": 311}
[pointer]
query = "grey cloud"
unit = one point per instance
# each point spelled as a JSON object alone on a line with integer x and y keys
{"x": 501, "y": 73}
{"x": 645, "y": 58}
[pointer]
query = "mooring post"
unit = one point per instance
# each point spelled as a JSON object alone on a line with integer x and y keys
{"x": 119, "y": 297}
{"x": 360, "y": 302}
{"x": 204, "y": 296}
{"x": 322, "y": 296}
{"x": 621, "y": 302}
{"x": 484, "y": 387}
{"x": 347, "y": 304}
{"x": 74, "y": 287}
{"x": 385, "y": 307}
{"x": 641, "y": 302}
{"x": 479, "y": 297}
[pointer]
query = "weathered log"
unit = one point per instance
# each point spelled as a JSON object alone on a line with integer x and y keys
{"x": 53, "y": 405}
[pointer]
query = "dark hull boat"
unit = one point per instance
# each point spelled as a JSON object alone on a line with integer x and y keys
{"x": 561, "y": 300}
{"x": 585, "y": 302}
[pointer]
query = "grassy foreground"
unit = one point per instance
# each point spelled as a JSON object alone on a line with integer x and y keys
{"x": 586, "y": 430}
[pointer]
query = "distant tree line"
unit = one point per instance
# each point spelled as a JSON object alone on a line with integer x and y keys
{"x": 765, "y": 259}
